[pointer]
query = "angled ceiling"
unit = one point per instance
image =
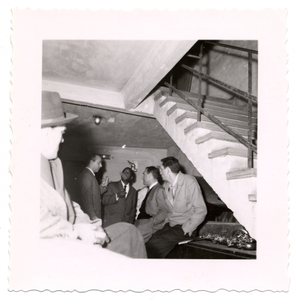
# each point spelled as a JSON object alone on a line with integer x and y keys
{"x": 110, "y": 79}
{"x": 104, "y": 65}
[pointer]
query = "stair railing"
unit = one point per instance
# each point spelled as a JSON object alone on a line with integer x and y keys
{"x": 248, "y": 96}
{"x": 213, "y": 119}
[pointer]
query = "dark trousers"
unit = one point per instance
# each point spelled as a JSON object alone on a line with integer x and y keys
{"x": 164, "y": 240}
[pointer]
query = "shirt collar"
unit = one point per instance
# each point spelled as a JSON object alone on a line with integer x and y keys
{"x": 124, "y": 184}
{"x": 152, "y": 185}
{"x": 176, "y": 179}
{"x": 91, "y": 170}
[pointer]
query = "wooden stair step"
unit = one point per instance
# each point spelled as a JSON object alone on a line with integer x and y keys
{"x": 177, "y": 99}
{"x": 244, "y": 173}
{"x": 222, "y": 104}
{"x": 242, "y": 116}
{"x": 187, "y": 107}
{"x": 222, "y": 136}
{"x": 228, "y": 122}
{"x": 252, "y": 197}
{"x": 182, "y": 106}
{"x": 186, "y": 115}
{"x": 214, "y": 127}
{"x": 159, "y": 94}
{"x": 173, "y": 99}
{"x": 229, "y": 151}
{"x": 196, "y": 95}
{"x": 165, "y": 91}
{"x": 206, "y": 102}
{"x": 235, "y": 110}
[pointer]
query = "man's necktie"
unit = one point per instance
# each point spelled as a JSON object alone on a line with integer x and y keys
{"x": 125, "y": 190}
{"x": 142, "y": 212}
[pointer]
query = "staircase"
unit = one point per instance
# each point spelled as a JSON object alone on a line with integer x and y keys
{"x": 217, "y": 156}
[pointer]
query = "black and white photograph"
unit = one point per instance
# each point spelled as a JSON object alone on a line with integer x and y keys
{"x": 198, "y": 112}
{"x": 143, "y": 152}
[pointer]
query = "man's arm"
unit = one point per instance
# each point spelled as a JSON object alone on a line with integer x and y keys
{"x": 54, "y": 225}
{"x": 80, "y": 216}
{"x": 194, "y": 196}
{"x": 110, "y": 196}
{"x": 102, "y": 189}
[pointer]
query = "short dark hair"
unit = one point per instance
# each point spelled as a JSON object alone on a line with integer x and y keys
{"x": 154, "y": 171}
{"x": 172, "y": 163}
{"x": 93, "y": 157}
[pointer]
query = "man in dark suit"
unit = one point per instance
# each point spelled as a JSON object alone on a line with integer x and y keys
{"x": 119, "y": 202}
{"x": 89, "y": 191}
{"x": 153, "y": 210}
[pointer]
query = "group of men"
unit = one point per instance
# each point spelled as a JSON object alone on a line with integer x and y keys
{"x": 169, "y": 213}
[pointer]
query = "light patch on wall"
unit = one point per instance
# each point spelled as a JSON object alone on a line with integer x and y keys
{"x": 111, "y": 120}
{"x": 133, "y": 165}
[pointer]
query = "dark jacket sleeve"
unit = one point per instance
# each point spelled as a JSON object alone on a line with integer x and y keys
{"x": 85, "y": 184}
{"x": 110, "y": 196}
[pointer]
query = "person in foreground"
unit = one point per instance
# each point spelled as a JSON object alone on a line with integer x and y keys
{"x": 187, "y": 209}
{"x": 153, "y": 210}
{"x": 119, "y": 202}
{"x": 59, "y": 216}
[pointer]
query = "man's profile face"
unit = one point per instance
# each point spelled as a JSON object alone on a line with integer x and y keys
{"x": 146, "y": 178}
{"x": 51, "y": 139}
{"x": 163, "y": 172}
{"x": 97, "y": 164}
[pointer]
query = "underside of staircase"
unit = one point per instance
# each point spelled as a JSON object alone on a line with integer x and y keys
{"x": 217, "y": 156}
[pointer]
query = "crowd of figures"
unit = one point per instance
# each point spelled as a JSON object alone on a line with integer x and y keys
{"x": 113, "y": 215}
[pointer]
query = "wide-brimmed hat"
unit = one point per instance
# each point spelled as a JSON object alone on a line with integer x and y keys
{"x": 52, "y": 111}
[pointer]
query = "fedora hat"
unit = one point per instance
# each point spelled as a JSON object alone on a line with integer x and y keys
{"x": 52, "y": 110}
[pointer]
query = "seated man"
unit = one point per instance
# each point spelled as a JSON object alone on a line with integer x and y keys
{"x": 154, "y": 210}
{"x": 119, "y": 202}
{"x": 59, "y": 216}
{"x": 187, "y": 209}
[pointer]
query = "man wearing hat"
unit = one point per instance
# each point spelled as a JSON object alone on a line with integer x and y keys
{"x": 59, "y": 216}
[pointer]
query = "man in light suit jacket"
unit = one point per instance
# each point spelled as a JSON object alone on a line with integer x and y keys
{"x": 154, "y": 209}
{"x": 119, "y": 202}
{"x": 187, "y": 209}
{"x": 89, "y": 191}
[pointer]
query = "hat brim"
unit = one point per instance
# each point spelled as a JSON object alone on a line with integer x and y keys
{"x": 60, "y": 121}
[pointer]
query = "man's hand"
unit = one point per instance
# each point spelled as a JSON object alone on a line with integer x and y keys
{"x": 91, "y": 233}
{"x": 121, "y": 194}
{"x": 105, "y": 181}
{"x": 97, "y": 226}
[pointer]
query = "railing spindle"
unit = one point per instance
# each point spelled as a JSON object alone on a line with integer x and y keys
{"x": 250, "y": 110}
{"x": 200, "y": 83}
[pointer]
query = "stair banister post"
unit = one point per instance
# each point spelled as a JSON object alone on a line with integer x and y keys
{"x": 250, "y": 108}
{"x": 200, "y": 83}
{"x": 171, "y": 81}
